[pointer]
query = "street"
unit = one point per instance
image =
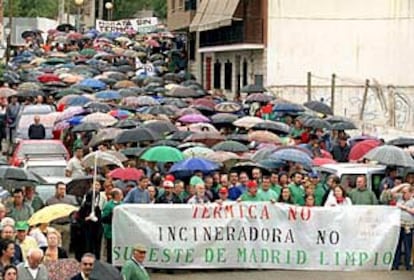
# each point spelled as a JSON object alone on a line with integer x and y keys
{"x": 282, "y": 275}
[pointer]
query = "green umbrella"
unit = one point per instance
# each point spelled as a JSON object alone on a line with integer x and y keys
{"x": 87, "y": 52}
{"x": 163, "y": 154}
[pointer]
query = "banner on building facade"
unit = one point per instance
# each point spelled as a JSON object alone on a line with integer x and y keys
{"x": 140, "y": 25}
{"x": 258, "y": 235}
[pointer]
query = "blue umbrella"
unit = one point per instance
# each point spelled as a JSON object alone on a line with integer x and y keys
{"x": 191, "y": 165}
{"x": 93, "y": 83}
{"x": 288, "y": 107}
{"x": 78, "y": 101}
{"x": 75, "y": 120}
{"x": 293, "y": 155}
{"x": 108, "y": 95}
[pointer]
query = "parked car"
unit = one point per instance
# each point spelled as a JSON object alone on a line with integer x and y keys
{"x": 52, "y": 169}
{"x": 348, "y": 172}
{"x": 38, "y": 148}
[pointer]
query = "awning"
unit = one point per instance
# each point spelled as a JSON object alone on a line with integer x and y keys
{"x": 213, "y": 14}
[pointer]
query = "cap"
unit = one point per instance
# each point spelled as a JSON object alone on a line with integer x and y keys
{"x": 251, "y": 184}
{"x": 140, "y": 248}
{"x": 7, "y": 221}
{"x": 169, "y": 177}
{"x": 223, "y": 190}
{"x": 22, "y": 225}
{"x": 195, "y": 180}
{"x": 168, "y": 184}
{"x": 313, "y": 175}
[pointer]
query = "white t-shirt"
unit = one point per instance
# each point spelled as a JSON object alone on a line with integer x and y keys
{"x": 75, "y": 166}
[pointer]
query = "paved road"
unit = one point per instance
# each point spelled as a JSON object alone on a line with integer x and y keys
{"x": 283, "y": 275}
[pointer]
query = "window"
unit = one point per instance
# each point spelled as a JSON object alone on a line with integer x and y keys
{"x": 180, "y": 4}
{"x": 228, "y": 73}
{"x": 245, "y": 72}
{"x": 172, "y": 5}
{"x": 190, "y": 5}
{"x": 217, "y": 75}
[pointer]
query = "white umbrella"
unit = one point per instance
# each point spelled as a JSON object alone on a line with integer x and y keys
{"x": 101, "y": 159}
{"x": 390, "y": 155}
{"x": 100, "y": 118}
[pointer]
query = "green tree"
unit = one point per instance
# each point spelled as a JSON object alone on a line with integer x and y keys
{"x": 127, "y": 8}
{"x": 32, "y": 8}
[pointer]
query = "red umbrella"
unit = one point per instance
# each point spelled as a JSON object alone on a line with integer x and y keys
{"x": 204, "y": 102}
{"x": 152, "y": 43}
{"x": 361, "y": 148}
{"x": 45, "y": 78}
{"x": 128, "y": 174}
{"x": 321, "y": 161}
{"x": 326, "y": 154}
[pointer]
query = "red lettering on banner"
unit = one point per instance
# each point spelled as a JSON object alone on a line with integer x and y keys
{"x": 305, "y": 213}
{"x": 218, "y": 211}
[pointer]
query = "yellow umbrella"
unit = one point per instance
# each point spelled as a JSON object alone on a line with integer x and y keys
{"x": 51, "y": 213}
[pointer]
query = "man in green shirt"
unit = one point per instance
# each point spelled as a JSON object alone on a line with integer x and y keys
{"x": 251, "y": 194}
{"x": 265, "y": 191}
{"x": 107, "y": 212}
{"x": 320, "y": 190}
{"x": 361, "y": 195}
{"x": 134, "y": 269}
{"x": 274, "y": 181}
{"x": 296, "y": 189}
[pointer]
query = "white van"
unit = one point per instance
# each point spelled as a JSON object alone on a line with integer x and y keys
{"x": 348, "y": 172}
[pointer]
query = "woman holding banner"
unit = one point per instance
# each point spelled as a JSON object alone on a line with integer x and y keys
{"x": 405, "y": 202}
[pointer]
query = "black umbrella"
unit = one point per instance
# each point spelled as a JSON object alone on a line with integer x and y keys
{"x": 343, "y": 126}
{"x": 102, "y": 270}
{"x": 159, "y": 110}
{"x": 223, "y": 119}
{"x": 259, "y": 97}
{"x": 401, "y": 142}
{"x": 248, "y": 168}
{"x": 133, "y": 152}
{"x": 319, "y": 107}
{"x": 28, "y": 33}
{"x": 80, "y": 186}
{"x": 183, "y": 92}
{"x": 180, "y": 135}
{"x": 94, "y": 107}
{"x": 230, "y": 146}
{"x": 174, "y": 101}
{"x": 87, "y": 127}
{"x": 170, "y": 143}
{"x": 161, "y": 127}
{"x": 135, "y": 135}
{"x": 335, "y": 119}
{"x": 275, "y": 127}
{"x": 126, "y": 124}
{"x": 252, "y": 89}
{"x": 65, "y": 27}
{"x": 30, "y": 93}
{"x": 317, "y": 123}
{"x": 13, "y": 177}
{"x": 243, "y": 138}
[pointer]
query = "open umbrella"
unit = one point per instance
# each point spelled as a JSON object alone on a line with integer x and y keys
{"x": 94, "y": 107}
{"x": 343, "y": 126}
{"x": 401, "y": 142}
{"x": 317, "y": 123}
{"x": 51, "y": 213}
{"x": 287, "y": 107}
{"x": 80, "y": 186}
{"x": 6, "y": 92}
{"x": 183, "y": 92}
{"x": 321, "y": 161}
{"x": 87, "y": 127}
{"x": 202, "y": 127}
{"x": 252, "y": 89}
{"x": 161, "y": 127}
{"x": 201, "y": 152}
{"x": 162, "y": 154}
{"x": 362, "y": 148}
{"x": 292, "y": 155}
{"x": 227, "y": 107}
{"x": 129, "y": 174}
{"x": 264, "y": 137}
{"x": 139, "y": 134}
{"x": 102, "y": 270}
{"x": 208, "y": 138}
{"x": 104, "y": 135}
{"x": 194, "y": 118}
{"x": 103, "y": 159}
{"x": 259, "y": 97}
{"x": 273, "y": 126}
{"x": 390, "y": 155}
{"x": 108, "y": 95}
{"x": 93, "y": 83}
{"x": 126, "y": 124}
{"x": 193, "y": 164}
{"x": 222, "y": 157}
{"x": 223, "y": 119}
{"x": 319, "y": 107}
{"x": 100, "y": 118}
{"x": 247, "y": 122}
{"x": 230, "y": 146}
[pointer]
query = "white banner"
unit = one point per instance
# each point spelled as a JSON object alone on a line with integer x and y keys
{"x": 141, "y": 25}
{"x": 258, "y": 235}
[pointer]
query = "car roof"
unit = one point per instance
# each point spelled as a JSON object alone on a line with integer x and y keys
{"x": 37, "y": 109}
{"x": 353, "y": 167}
{"x": 49, "y": 161}
{"x": 41, "y": 141}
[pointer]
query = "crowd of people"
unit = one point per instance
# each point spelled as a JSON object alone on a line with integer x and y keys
{"x": 24, "y": 248}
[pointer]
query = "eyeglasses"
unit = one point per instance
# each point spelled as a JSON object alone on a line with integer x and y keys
{"x": 87, "y": 264}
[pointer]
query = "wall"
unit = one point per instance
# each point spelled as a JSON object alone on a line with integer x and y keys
{"x": 365, "y": 39}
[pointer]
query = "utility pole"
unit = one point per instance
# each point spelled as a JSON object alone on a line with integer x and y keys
{"x": 9, "y": 36}
{"x": 100, "y": 9}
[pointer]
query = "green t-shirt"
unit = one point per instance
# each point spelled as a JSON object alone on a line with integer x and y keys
{"x": 363, "y": 197}
{"x": 247, "y": 197}
{"x": 267, "y": 195}
{"x": 296, "y": 132}
{"x": 320, "y": 192}
{"x": 277, "y": 189}
{"x": 298, "y": 194}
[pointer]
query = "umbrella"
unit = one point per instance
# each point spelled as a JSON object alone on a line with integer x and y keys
{"x": 287, "y": 107}
{"x": 87, "y": 127}
{"x": 74, "y": 100}
{"x": 88, "y": 52}
{"x": 161, "y": 127}
{"x": 126, "y": 124}
{"x": 104, "y": 135}
{"x": 194, "y": 118}
{"x": 180, "y": 135}
{"x": 188, "y": 111}
{"x": 208, "y": 138}
{"x": 166, "y": 142}
{"x": 124, "y": 84}
{"x": 139, "y": 134}
{"x": 100, "y": 118}
{"x": 65, "y": 27}
{"x": 319, "y": 107}
{"x": 273, "y": 126}
{"x": 317, "y": 123}
{"x": 223, "y": 119}
{"x": 126, "y": 174}
{"x": 146, "y": 101}
{"x": 102, "y": 270}
{"x": 201, "y": 127}
{"x": 262, "y": 154}
{"x": 264, "y": 137}
{"x": 183, "y": 92}
{"x": 93, "y": 83}
{"x": 193, "y": 164}
{"x": 80, "y": 186}
{"x": 343, "y": 126}
{"x": 362, "y": 148}
{"x": 133, "y": 152}
{"x": 247, "y": 122}
{"x": 108, "y": 95}
{"x": 94, "y": 107}
{"x": 45, "y": 78}
{"x": 390, "y": 155}
{"x": 103, "y": 159}
{"x": 401, "y": 142}
{"x": 230, "y": 146}
{"x": 321, "y": 161}
{"x": 227, "y": 107}
{"x": 204, "y": 102}
{"x": 159, "y": 110}
{"x": 62, "y": 269}
{"x": 120, "y": 114}
{"x": 222, "y": 157}
{"x": 352, "y": 141}
{"x": 252, "y": 89}
{"x": 51, "y": 213}
{"x": 6, "y": 92}
{"x": 292, "y": 155}
{"x": 162, "y": 154}
{"x": 197, "y": 152}
{"x": 259, "y": 97}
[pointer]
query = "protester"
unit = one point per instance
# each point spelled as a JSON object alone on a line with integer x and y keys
{"x": 200, "y": 196}
{"x": 10, "y": 272}
{"x": 53, "y": 251}
{"x": 169, "y": 195}
{"x": 285, "y": 196}
{"x": 8, "y": 233}
{"x": 25, "y": 241}
{"x": 107, "y": 213}
{"x": 339, "y": 198}
{"x": 7, "y": 254}
{"x": 133, "y": 268}
{"x": 361, "y": 195}
{"x": 87, "y": 263}
{"x": 140, "y": 193}
{"x": 33, "y": 268}
{"x": 32, "y": 199}
{"x": 37, "y": 130}
{"x": 12, "y": 112}
{"x": 18, "y": 210}
{"x": 74, "y": 168}
{"x": 296, "y": 189}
